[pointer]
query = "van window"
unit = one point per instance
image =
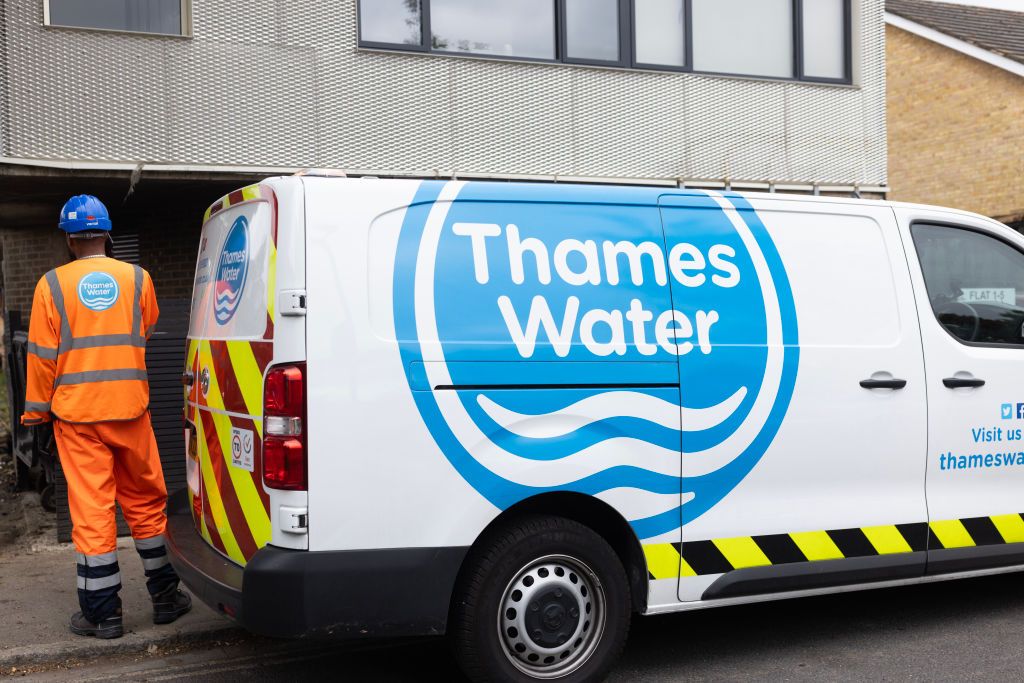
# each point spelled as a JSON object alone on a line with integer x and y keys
{"x": 229, "y": 297}
{"x": 975, "y": 283}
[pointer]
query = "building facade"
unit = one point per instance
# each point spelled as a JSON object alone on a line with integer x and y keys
{"x": 956, "y": 107}
{"x": 161, "y": 107}
{"x": 284, "y": 84}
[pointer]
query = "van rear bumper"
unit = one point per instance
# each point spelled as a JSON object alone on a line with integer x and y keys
{"x": 340, "y": 594}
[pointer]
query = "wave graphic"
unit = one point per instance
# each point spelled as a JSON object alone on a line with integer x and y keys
{"x": 228, "y": 295}
{"x": 609, "y": 405}
{"x": 644, "y": 480}
{"x": 105, "y": 301}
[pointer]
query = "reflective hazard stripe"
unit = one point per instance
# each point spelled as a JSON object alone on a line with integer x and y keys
{"x": 742, "y": 552}
{"x": 58, "y": 300}
{"x": 101, "y": 376}
{"x": 952, "y": 533}
{"x": 137, "y": 304}
{"x": 91, "y": 584}
{"x": 44, "y": 352}
{"x": 149, "y": 543}
{"x": 100, "y": 340}
{"x": 36, "y": 407}
{"x": 100, "y": 560}
{"x": 717, "y": 556}
{"x": 96, "y": 572}
{"x": 151, "y": 563}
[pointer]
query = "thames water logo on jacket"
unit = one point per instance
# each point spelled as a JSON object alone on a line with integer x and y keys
{"x": 231, "y": 271}
{"x": 555, "y": 342}
{"x": 98, "y": 291}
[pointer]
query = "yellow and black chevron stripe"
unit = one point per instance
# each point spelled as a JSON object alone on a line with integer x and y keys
{"x": 721, "y": 555}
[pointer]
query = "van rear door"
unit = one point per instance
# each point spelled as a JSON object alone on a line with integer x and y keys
{"x": 230, "y": 346}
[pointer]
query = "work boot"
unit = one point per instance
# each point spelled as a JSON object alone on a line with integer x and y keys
{"x": 108, "y": 628}
{"x": 170, "y": 605}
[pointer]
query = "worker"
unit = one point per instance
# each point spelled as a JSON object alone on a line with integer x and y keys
{"x": 87, "y": 374}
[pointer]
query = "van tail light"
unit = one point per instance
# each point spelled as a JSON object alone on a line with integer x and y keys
{"x": 284, "y": 427}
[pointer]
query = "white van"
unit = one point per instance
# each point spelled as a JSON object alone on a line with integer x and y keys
{"x": 519, "y": 413}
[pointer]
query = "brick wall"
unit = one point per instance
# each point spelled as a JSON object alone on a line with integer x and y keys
{"x": 956, "y": 129}
{"x": 167, "y": 249}
{"x": 167, "y": 218}
{"x": 28, "y": 252}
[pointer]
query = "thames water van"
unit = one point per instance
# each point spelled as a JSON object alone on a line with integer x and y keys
{"x": 518, "y": 414}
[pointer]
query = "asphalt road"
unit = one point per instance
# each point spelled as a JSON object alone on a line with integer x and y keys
{"x": 952, "y": 631}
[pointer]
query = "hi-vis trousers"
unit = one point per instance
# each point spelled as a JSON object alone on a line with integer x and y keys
{"x": 105, "y": 462}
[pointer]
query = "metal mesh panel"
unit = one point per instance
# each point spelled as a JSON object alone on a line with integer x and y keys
{"x": 281, "y": 83}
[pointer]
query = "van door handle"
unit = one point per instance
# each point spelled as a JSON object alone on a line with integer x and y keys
{"x": 883, "y": 383}
{"x": 962, "y": 382}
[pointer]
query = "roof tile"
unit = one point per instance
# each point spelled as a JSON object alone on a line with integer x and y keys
{"x": 995, "y": 30}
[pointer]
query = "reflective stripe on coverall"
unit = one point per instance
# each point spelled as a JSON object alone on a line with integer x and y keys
{"x": 87, "y": 370}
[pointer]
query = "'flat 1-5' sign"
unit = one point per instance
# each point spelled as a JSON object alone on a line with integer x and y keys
{"x": 1007, "y": 296}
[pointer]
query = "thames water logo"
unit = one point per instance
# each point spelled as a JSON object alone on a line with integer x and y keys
{"x": 581, "y": 323}
{"x": 231, "y": 271}
{"x": 98, "y": 291}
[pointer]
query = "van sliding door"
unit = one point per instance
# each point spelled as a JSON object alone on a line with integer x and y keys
{"x": 803, "y": 398}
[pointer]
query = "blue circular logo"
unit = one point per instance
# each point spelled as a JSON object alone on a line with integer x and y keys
{"x": 231, "y": 271}
{"x": 98, "y": 291}
{"x": 620, "y": 343}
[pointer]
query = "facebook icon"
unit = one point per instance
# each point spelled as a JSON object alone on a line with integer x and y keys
{"x": 1020, "y": 411}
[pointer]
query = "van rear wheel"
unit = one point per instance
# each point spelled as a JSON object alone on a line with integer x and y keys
{"x": 545, "y": 598}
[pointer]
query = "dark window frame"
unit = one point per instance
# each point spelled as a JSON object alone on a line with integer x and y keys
{"x": 627, "y": 44}
{"x": 917, "y": 255}
{"x": 185, "y": 30}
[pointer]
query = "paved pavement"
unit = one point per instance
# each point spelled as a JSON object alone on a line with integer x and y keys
{"x": 38, "y": 596}
{"x": 967, "y": 630}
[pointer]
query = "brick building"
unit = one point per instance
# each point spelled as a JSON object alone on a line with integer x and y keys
{"x": 956, "y": 107}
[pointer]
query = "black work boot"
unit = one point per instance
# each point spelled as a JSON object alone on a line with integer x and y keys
{"x": 170, "y": 605}
{"x": 108, "y": 628}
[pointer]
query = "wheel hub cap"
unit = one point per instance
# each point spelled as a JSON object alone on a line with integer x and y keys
{"x": 552, "y": 616}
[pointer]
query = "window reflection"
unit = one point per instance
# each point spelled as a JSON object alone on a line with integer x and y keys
{"x": 975, "y": 283}
{"x": 525, "y": 28}
{"x": 390, "y": 21}
{"x": 146, "y": 16}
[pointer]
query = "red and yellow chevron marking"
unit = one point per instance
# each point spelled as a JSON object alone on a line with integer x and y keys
{"x": 251, "y": 193}
{"x": 235, "y": 505}
{"x": 235, "y": 515}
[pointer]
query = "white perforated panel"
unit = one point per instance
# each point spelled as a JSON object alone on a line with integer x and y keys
{"x": 282, "y": 83}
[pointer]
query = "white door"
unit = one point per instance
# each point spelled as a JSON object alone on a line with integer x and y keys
{"x": 969, "y": 273}
{"x": 824, "y": 458}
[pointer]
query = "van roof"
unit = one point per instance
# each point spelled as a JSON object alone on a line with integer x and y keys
{"x": 638, "y": 191}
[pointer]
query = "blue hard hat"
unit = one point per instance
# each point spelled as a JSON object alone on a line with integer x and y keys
{"x": 84, "y": 212}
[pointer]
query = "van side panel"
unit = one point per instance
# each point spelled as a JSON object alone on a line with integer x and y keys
{"x": 838, "y": 495}
{"x": 289, "y": 337}
{"x": 376, "y": 478}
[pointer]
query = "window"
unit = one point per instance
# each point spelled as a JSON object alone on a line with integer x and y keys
{"x": 806, "y": 40}
{"x": 661, "y": 32}
{"x": 824, "y": 39}
{"x": 390, "y": 21}
{"x": 753, "y": 37}
{"x": 525, "y": 28}
{"x": 592, "y": 30}
{"x": 975, "y": 283}
{"x": 168, "y": 17}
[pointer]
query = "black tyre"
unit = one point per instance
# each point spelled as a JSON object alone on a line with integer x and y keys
{"x": 543, "y": 598}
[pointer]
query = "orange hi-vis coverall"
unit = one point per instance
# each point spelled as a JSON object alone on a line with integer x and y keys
{"x": 87, "y": 372}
